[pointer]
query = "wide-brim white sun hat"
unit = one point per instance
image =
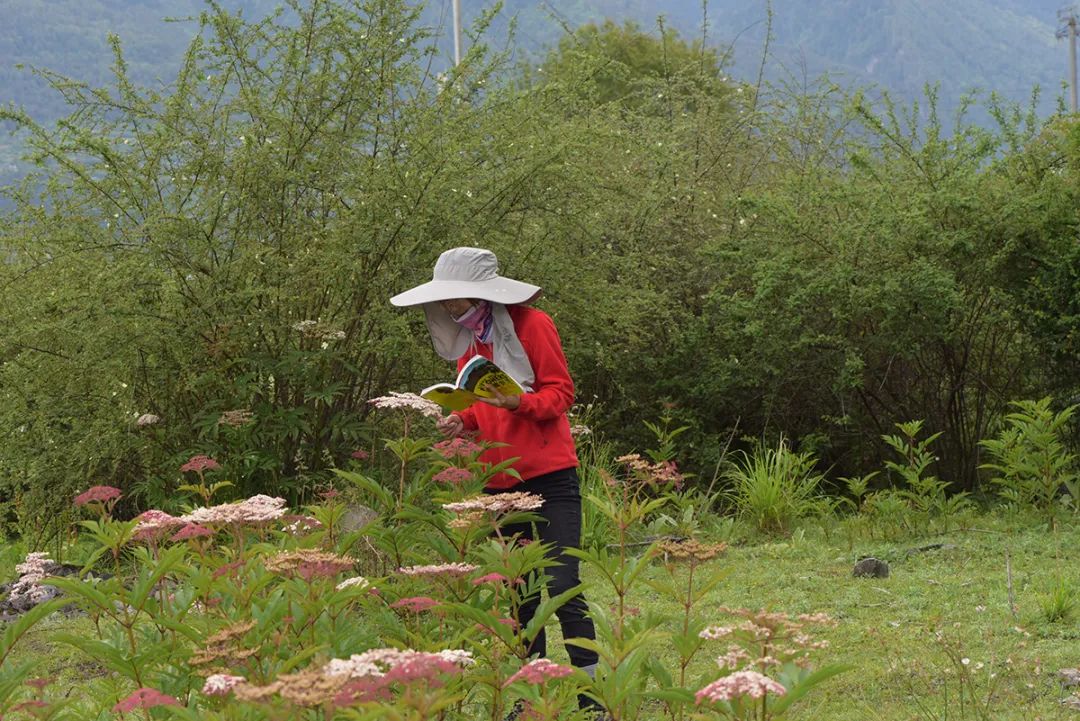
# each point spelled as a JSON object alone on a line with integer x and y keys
{"x": 473, "y": 273}
{"x": 468, "y": 273}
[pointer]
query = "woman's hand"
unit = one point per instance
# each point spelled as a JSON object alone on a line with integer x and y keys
{"x": 510, "y": 403}
{"x": 450, "y": 426}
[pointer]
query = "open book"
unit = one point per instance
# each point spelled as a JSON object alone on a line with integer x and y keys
{"x": 479, "y": 378}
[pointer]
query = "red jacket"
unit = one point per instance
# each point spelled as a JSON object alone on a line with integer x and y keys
{"x": 537, "y": 433}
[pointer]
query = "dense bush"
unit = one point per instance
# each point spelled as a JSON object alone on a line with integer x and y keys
{"x": 218, "y": 253}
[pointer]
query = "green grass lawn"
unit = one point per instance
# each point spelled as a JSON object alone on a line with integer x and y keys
{"x": 901, "y": 669}
{"x": 903, "y": 637}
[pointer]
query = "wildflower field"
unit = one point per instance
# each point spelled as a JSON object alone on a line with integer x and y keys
{"x": 247, "y": 609}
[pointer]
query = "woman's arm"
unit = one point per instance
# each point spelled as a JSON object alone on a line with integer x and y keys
{"x": 553, "y": 389}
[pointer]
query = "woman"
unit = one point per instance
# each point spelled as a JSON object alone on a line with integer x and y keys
{"x": 471, "y": 309}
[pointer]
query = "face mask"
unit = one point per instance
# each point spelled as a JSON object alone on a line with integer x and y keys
{"x": 477, "y": 319}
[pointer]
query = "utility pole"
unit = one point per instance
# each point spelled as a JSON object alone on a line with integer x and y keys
{"x": 1066, "y": 29}
{"x": 457, "y": 39}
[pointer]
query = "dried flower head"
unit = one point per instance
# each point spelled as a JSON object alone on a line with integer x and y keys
{"x": 661, "y": 473}
{"x": 200, "y": 464}
{"x": 739, "y": 684}
{"x": 97, "y": 494}
{"x": 235, "y": 418}
{"x": 408, "y": 402}
{"x": 224, "y": 646}
{"x": 580, "y": 431}
{"x": 689, "y": 549}
{"x": 309, "y": 688}
{"x": 539, "y": 671}
{"x": 465, "y": 521}
{"x": 308, "y": 564}
{"x": 145, "y": 698}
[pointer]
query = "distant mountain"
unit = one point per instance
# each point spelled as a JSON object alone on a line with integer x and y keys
{"x": 1002, "y": 45}
{"x": 1006, "y": 46}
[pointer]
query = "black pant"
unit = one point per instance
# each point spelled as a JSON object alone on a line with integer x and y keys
{"x": 561, "y": 528}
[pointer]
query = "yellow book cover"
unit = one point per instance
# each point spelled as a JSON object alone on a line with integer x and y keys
{"x": 479, "y": 378}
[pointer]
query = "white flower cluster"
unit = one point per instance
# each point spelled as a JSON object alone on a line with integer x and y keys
{"x": 28, "y": 591}
{"x": 442, "y": 569}
{"x": 357, "y": 582}
{"x": 407, "y": 401}
{"x": 497, "y": 503}
{"x": 257, "y": 509}
{"x": 219, "y": 684}
{"x": 378, "y": 661}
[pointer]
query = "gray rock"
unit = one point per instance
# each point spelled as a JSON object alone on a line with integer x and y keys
{"x": 356, "y": 516}
{"x": 1070, "y": 677}
{"x": 871, "y": 568}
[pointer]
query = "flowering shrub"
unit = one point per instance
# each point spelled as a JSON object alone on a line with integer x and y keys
{"x": 244, "y": 610}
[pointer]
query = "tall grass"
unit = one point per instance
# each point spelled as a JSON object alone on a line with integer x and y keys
{"x": 773, "y": 487}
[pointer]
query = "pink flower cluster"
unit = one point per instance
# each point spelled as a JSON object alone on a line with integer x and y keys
{"x": 453, "y": 476}
{"x": 459, "y": 447}
{"x": 145, "y": 698}
{"x": 257, "y": 509}
{"x": 739, "y": 684}
{"x": 409, "y": 667}
{"x": 192, "y": 531}
{"x": 415, "y": 604}
{"x": 497, "y": 503}
{"x": 494, "y": 578}
{"x": 442, "y": 569}
{"x": 407, "y": 402}
{"x": 199, "y": 464}
{"x": 735, "y": 656}
{"x": 360, "y": 455}
{"x": 97, "y": 494}
{"x": 539, "y": 671}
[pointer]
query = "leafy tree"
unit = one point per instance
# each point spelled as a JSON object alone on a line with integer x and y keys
{"x": 632, "y": 68}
